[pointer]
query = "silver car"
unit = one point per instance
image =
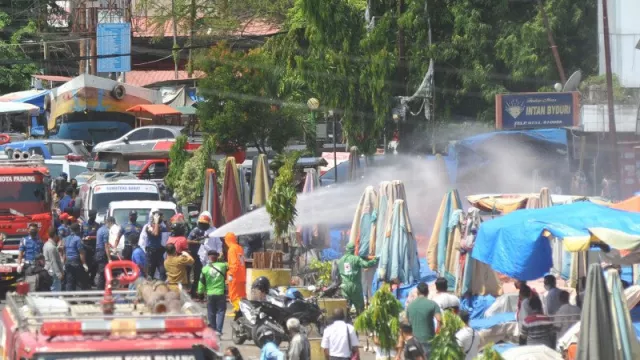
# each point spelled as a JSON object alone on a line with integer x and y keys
{"x": 141, "y": 139}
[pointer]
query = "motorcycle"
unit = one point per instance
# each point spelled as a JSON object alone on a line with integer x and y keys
{"x": 256, "y": 317}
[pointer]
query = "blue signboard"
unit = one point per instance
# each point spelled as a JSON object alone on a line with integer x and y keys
{"x": 537, "y": 110}
{"x": 114, "y": 39}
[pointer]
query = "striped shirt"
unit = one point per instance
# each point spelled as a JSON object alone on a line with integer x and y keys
{"x": 538, "y": 329}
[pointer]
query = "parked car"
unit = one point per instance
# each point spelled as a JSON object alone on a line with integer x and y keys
{"x": 72, "y": 168}
{"x": 49, "y": 149}
{"x": 141, "y": 139}
{"x": 152, "y": 169}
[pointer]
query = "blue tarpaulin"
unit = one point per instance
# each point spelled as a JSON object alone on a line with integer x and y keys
{"x": 476, "y": 305}
{"x": 514, "y": 244}
{"x": 402, "y": 293}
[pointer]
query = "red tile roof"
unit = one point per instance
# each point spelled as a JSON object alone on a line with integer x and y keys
{"x": 142, "y": 26}
{"x": 155, "y": 109}
{"x": 52, "y": 78}
{"x": 144, "y": 78}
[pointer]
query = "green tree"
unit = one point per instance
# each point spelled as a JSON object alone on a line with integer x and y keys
{"x": 191, "y": 182}
{"x": 281, "y": 205}
{"x": 445, "y": 345}
{"x": 382, "y": 318}
{"x": 17, "y": 75}
{"x": 245, "y": 100}
{"x": 178, "y": 157}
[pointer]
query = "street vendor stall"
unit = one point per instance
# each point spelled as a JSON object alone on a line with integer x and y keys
{"x": 156, "y": 114}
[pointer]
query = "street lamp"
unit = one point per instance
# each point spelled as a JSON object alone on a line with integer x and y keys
{"x": 313, "y": 104}
{"x": 335, "y": 154}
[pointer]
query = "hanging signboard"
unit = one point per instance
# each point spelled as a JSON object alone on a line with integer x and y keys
{"x": 114, "y": 39}
{"x": 537, "y": 110}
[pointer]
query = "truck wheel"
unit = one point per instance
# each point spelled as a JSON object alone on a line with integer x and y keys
{"x": 236, "y": 337}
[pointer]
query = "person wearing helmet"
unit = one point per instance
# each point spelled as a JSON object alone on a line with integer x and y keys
{"x": 261, "y": 286}
{"x": 236, "y": 277}
{"x": 178, "y": 237}
{"x": 194, "y": 240}
{"x": 350, "y": 266}
{"x": 131, "y": 227}
{"x": 270, "y": 351}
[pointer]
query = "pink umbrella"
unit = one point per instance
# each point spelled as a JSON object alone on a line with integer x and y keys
{"x": 231, "y": 207}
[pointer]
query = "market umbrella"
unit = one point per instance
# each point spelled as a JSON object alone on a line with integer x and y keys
{"x": 449, "y": 213}
{"x": 231, "y": 206}
{"x": 389, "y": 191}
{"x": 354, "y": 163}
{"x": 627, "y": 345}
{"x": 244, "y": 190}
{"x": 260, "y": 182}
{"x": 400, "y": 263}
{"x": 211, "y": 198}
{"x": 596, "y": 327}
{"x": 311, "y": 182}
{"x": 363, "y": 227}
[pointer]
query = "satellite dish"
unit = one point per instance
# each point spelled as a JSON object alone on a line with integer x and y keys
{"x": 573, "y": 82}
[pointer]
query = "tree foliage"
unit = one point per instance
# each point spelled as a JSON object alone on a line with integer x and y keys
{"x": 191, "y": 184}
{"x": 281, "y": 205}
{"x": 382, "y": 318}
{"x": 480, "y": 48}
{"x": 17, "y": 76}
{"x": 245, "y": 100}
{"x": 445, "y": 345}
{"x": 178, "y": 156}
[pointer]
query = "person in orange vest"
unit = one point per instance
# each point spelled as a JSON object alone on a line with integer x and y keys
{"x": 236, "y": 275}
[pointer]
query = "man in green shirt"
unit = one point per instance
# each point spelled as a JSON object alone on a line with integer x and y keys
{"x": 421, "y": 314}
{"x": 350, "y": 266}
{"x": 212, "y": 281}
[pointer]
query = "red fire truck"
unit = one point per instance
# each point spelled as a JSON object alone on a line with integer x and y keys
{"x": 110, "y": 324}
{"x": 25, "y": 198}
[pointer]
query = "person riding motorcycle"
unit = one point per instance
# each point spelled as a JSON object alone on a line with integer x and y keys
{"x": 350, "y": 266}
{"x": 260, "y": 288}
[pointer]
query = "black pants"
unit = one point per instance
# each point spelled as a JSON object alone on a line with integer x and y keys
{"x": 74, "y": 275}
{"x": 101, "y": 262}
{"x": 155, "y": 261}
{"x": 197, "y": 271}
{"x": 127, "y": 252}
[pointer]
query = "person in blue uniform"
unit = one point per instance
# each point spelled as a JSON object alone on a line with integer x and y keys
{"x": 129, "y": 231}
{"x": 89, "y": 233}
{"x": 30, "y": 247}
{"x": 63, "y": 229}
{"x": 194, "y": 240}
{"x": 101, "y": 253}
{"x": 75, "y": 266}
{"x": 67, "y": 200}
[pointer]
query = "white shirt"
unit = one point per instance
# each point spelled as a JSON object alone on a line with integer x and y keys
{"x": 523, "y": 313}
{"x": 114, "y": 233}
{"x": 144, "y": 237}
{"x": 335, "y": 340}
{"x": 212, "y": 243}
{"x": 446, "y": 300}
{"x": 469, "y": 341}
{"x": 565, "y": 317}
{"x": 552, "y": 301}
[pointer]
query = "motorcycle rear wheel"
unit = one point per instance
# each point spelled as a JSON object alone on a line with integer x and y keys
{"x": 257, "y": 330}
{"x": 236, "y": 336}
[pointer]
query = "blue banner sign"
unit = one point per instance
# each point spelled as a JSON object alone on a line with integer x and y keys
{"x": 114, "y": 39}
{"x": 537, "y": 110}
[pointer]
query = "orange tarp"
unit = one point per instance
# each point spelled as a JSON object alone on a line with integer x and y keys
{"x": 631, "y": 204}
{"x": 155, "y": 109}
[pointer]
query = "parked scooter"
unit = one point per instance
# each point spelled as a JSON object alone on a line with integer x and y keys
{"x": 272, "y": 311}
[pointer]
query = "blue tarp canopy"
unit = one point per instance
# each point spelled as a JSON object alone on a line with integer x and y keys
{"x": 471, "y": 147}
{"x": 514, "y": 244}
{"x": 33, "y": 97}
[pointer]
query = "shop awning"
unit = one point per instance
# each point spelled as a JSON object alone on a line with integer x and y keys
{"x": 16, "y": 108}
{"x": 155, "y": 109}
{"x": 186, "y": 110}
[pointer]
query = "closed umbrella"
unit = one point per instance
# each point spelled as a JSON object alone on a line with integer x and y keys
{"x": 401, "y": 264}
{"x": 354, "y": 163}
{"x": 596, "y": 327}
{"x": 388, "y": 193}
{"x": 243, "y": 189}
{"x": 211, "y": 198}
{"x": 260, "y": 182}
{"x": 363, "y": 227}
{"x": 626, "y": 343}
{"x": 231, "y": 206}
{"x": 311, "y": 182}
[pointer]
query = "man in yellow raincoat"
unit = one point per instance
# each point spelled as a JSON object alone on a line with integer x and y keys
{"x": 236, "y": 275}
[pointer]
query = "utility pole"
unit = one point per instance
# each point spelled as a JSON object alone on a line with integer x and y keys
{"x": 612, "y": 121}
{"x": 401, "y": 73}
{"x": 175, "y": 38}
{"x": 552, "y": 43}
{"x": 192, "y": 30}
{"x": 45, "y": 51}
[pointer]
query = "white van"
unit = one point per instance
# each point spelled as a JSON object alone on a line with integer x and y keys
{"x": 100, "y": 193}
